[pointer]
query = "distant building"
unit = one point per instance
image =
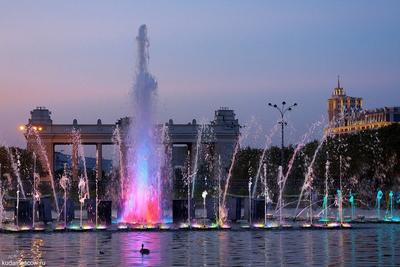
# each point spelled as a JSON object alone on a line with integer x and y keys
{"x": 346, "y": 114}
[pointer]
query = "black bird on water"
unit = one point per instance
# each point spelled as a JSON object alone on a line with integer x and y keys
{"x": 144, "y": 251}
{"x": 101, "y": 252}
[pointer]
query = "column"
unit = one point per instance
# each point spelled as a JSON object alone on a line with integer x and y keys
{"x": 99, "y": 160}
{"x": 49, "y": 148}
{"x": 75, "y": 162}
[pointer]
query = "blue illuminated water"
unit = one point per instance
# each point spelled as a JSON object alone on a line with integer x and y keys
{"x": 364, "y": 245}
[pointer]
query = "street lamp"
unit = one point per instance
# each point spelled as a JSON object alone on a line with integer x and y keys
{"x": 282, "y": 110}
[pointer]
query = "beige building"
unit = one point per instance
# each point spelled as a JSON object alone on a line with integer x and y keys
{"x": 346, "y": 114}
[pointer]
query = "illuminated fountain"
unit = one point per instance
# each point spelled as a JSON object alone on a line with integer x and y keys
{"x": 200, "y": 131}
{"x": 65, "y": 183}
{"x": 379, "y": 196}
{"x": 15, "y": 167}
{"x": 339, "y": 197}
{"x": 280, "y": 181}
{"x": 263, "y": 157}
{"x": 389, "y": 212}
{"x": 223, "y": 211}
{"x": 282, "y": 178}
{"x": 141, "y": 203}
{"x": 250, "y": 206}
{"x": 391, "y": 204}
{"x": 308, "y": 182}
{"x": 189, "y": 176}
{"x": 353, "y": 207}
{"x": 204, "y": 196}
{"x": 32, "y": 133}
{"x": 80, "y": 155}
{"x": 1, "y": 200}
{"x": 325, "y": 207}
{"x": 83, "y": 195}
{"x": 35, "y": 191}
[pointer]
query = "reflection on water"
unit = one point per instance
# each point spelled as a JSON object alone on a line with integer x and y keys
{"x": 364, "y": 245}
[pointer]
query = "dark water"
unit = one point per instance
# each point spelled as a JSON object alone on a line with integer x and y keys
{"x": 365, "y": 245}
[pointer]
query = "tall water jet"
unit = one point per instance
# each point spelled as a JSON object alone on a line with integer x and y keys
{"x": 64, "y": 183}
{"x": 141, "y": 201}
{"x": 223, "y": 212}
{"x": 15, "y": 166}
{"x": 219, "y": 192}
{"x": 83, "y": 195}
{"x": 1, "y": 200}
{"x": 299, "y": 146}
{"x": 309, "y": 177}
{"x": 250, "y": 206}
{"x": 262, "y": 158}
{"x": 379, "y": 196}
{"x": 35, "y": 190}
{"x": 266, "y": 195}
{"x": 340, "y": 205}
{"x": 280, "y": 182}
{"x": 391, "y": 204}
{"x": 200, "y": 130}
{"x": 80, "y": 153}
{"x": 42, "y": 153}
{"x": 352, "y": 205}
{"x": 119, "y": 160}
{"x": 204, "y": 196}
{"x": 325, "y": 202}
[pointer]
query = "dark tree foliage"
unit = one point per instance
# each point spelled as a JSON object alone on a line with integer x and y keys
{"x": 15, "y": 160}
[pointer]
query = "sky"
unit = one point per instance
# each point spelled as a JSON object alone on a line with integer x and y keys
{"x": 77, "y": 58}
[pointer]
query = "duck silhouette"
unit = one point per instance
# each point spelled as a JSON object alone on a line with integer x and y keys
{"x": 101, "y": 252}
{"x": 144, "y": 251}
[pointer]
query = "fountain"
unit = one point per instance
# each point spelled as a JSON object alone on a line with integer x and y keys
{"x": 250, "y": 206}
{"x": 391, "y": 204}
{"x": 339, "y": 217}
{"x": 83, "y": 195}
{"x": 325, "y": 206}
{"x": 15, "y": 166}
{"x": 311, "y": 207}
{"x": 379, "y": 196}
{"x": 35, "y": 191}
{"x": 140, "y": 201}
{"x": 219, "y": 192}
{"x": 204, "y": 196}
{"x": 262, "y": 157}
{"x": 280, "y": 181}
{"x": 308, "y": 180}
{"x": 200, "y": 131}
{"x": 31, "y": 131}
{"x": 189, "y": 195}
{"x": 17, "y": 208}
{"x": 223, "y": 212}
{"x": 266, "y": 198}
{"x": 80, "y": 154}
{"x": 64, "y": 183}
{"x": 1, "y": 199}
{"x": 325, "y": 209}
{"x": 352, "y": 204}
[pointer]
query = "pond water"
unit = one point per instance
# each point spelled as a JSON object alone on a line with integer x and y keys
{"x": 364, "y": 245}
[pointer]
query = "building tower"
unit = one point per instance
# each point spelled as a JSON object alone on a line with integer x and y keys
{"x": 339, "y": 104}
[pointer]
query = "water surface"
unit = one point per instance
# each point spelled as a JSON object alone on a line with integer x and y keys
{"x": 365, "y": 245}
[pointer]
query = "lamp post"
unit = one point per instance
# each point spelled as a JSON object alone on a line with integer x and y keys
{"x": 282, "y": 111}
